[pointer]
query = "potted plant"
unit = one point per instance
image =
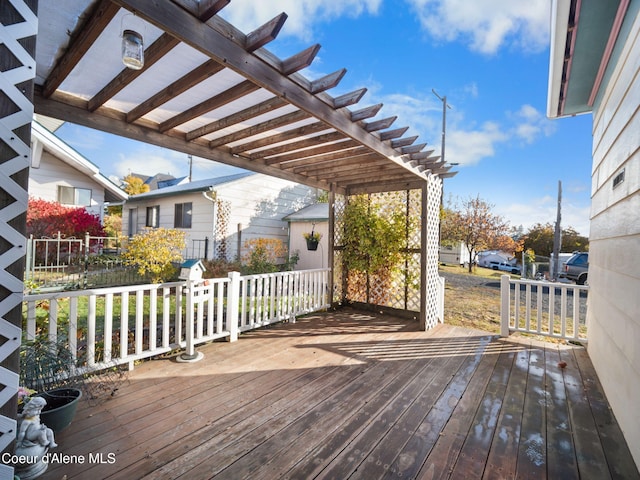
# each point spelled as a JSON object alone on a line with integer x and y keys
{"x": 312, "y": 238}
{"x": 49, "y": 369}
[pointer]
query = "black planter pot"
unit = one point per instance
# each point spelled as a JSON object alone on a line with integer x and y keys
{"x": 61, "y": 407}
{"x": 312, "y": 244}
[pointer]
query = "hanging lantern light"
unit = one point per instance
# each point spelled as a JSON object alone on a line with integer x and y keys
{"x": 132, "y": 49}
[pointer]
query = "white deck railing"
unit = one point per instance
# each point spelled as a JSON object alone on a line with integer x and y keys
{"x": 120, "y": 325}
{"x": 551, "y": 309}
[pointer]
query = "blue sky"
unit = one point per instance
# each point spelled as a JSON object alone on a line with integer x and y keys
{"x": 489, "y": 57}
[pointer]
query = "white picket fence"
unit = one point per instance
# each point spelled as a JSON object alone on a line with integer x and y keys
{"x": 555, "y": 310}
{"x": 110, "y": 326}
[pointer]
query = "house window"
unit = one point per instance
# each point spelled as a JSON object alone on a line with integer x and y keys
{"x": 153, "y": 216}
{"x": 182, "y": 216}
{"x": 74, "y": 196}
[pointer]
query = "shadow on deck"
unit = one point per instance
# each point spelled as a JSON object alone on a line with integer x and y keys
{"x": 351, "y": 395}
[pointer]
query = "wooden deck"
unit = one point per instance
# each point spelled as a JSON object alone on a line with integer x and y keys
{"x": 350, "y": 395}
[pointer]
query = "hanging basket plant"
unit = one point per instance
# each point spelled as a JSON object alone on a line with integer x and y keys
{"x": 313, "y": 239}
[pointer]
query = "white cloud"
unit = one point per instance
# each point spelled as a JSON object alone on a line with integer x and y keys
{"x": 471, "y": 89}
{"x": 149, "y": 160}
{"x": 543, "y": 210}
{"x": 529, "y": 124}
{"x": 487, "y": 25}
{"x": 468, "y": 144}
{"x": 247, "y": 15}
{"x": 468, "y": 147}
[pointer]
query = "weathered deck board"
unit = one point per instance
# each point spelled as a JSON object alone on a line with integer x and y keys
{"x": 353, "y": 395}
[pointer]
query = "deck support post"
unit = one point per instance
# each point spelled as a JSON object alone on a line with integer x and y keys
{"x": 233, "y": 304}
{"x": 190, "y": 355}
{"x": 505, "y": 306}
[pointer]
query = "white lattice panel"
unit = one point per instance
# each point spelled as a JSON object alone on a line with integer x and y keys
{"x": 434, "y": 192}
{"x": 223, "y": 214}
{"x": 19, "y": 23}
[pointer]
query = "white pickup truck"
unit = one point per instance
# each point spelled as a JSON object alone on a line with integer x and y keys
{"x": 504, "y": 266}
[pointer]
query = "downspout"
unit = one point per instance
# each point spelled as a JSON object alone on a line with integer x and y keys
{"x": 212, "y": 196}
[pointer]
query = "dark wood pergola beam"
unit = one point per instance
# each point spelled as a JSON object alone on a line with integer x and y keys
{"x": 403, "y": 142}
{"x": 281, "y": 121}
{"x": 312, "y": 154}
{"x": 359, "y": 162}
{"x": 379, "y": 186}
{"x": 265, "y": 33}
{"x": 365, "y": 113}
{"x": 114, "y": 122}
{"x": 380, "y": 124}
{"x": 299, "y": 61}
{"x": 329, "y": 159}
{"x": 350, "y": 98}
{"x": 202, "y": 9}
{"x": 391, "y": 134}
{"x": 155, "y": 52}
{"x": 280, "y": 137}
{"x": 237, "y": 91}
{"x": 172, "y": 19}
{"x": 241, "y": 116}
{"x": 327, "y": 82}
{"x": 413, "y": 148}
{"x": 307, "y": 142}
{"x": 378, "y": 173}
{"x": 204, "y": 71}
{"x": 80, "y": 44}
{"x": 254, "y": 40}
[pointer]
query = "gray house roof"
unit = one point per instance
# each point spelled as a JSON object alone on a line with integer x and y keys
{"x": 197, "y": 186}
{"x": 317, "y": 211}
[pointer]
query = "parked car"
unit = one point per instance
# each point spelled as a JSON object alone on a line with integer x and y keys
{"x": 504, "y": 266}
{"x": 576, "y": 268}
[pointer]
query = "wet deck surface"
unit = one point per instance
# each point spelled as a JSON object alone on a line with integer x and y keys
{"x": 350, "y": 395}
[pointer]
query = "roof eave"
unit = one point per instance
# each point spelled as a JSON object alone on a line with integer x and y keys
{"x": 68, "y": 155}
{"x": 559, "y": 28}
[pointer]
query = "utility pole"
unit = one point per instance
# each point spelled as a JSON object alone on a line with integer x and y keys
{"x": 557, "y": 240}
{"x": 445, "y": 105}
{"x": 190, "y": 167}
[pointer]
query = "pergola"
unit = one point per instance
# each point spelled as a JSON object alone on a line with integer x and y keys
{"x": 206, "y": 89}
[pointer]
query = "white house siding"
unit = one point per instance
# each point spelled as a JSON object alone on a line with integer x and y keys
{"x": 257, "y": 204}
{"x": 52, "y": 172}
{"x": 614, "y": 272}
{"x": 310, "y": 259}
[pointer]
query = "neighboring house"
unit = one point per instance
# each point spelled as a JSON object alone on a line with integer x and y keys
{"x": 59, "y": 173}
{"x": 488, "y": 256}
{"x": 457, "y": 254}
{"x": 160, "y": 180}
{"x": 595, "y": 64}
{"x": 219, "y": 214}
{"x": 311, "y": 218}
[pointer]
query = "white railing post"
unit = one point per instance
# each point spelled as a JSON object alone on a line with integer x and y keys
{"x": 190, "y": 355}
{"x": 233, "y": 303}
{"x": 505, "y": 307}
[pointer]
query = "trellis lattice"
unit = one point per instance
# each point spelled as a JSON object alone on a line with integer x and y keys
{"x": 398, "y": 288}
{"x": 223, "y": 215}
{"x": 17, "y": 71}
{"x": 432, "y": 290}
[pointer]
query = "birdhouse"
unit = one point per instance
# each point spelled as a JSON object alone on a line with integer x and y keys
{"x": 192, "y": 270}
